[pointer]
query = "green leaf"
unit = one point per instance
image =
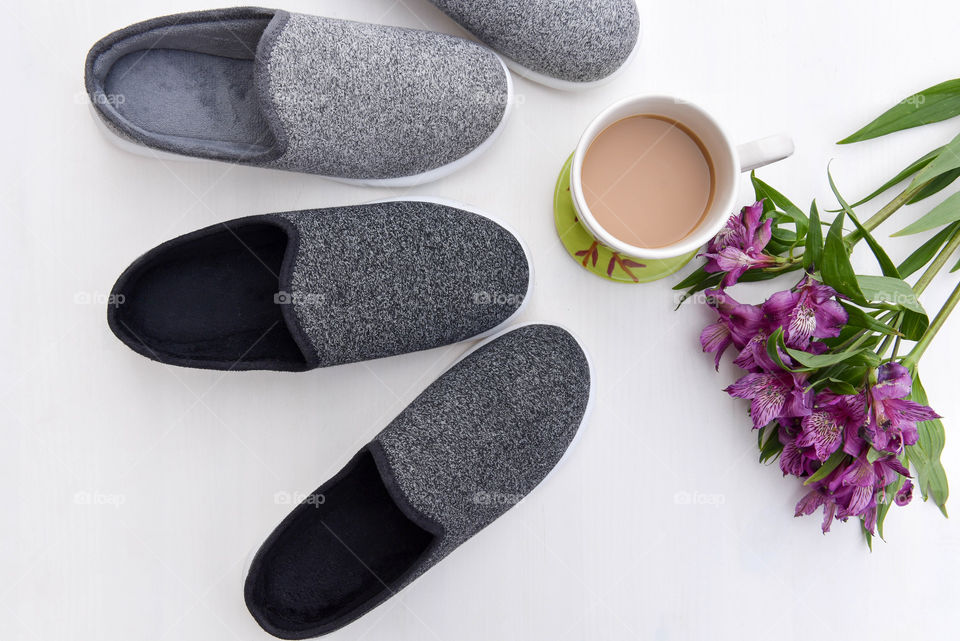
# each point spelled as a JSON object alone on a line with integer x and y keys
{"x": 828, "y": 466}
{"x": 765, "y": 191}
{"x": 925, "y": 253}
{"x": 712, "y": 280}
{"x": 886, "y": 265}
{"x": 935, "y": 186}
{"x": 891, "y": 291}
{"x": 771, "y": 445}
{"x": 908, "y": 171}
{"x": 853, "y": 375}
{"x": 695, "y": 277}
{"x": 840, "y": 387}
{"x": 819, "y": 361}
{"x": 937, "y": 103}
{"x": 946, "y": 161}
{"x": 813, "y": 249}
{"x": 776, "y": 347}
{"x": 859, "y": 318}
{"x": 943, "y": 214}
{"x": 925, "y": 455}
{"x": 914, "y": 325}
{"x": 785, "y": 236}
{"x": 835, "y": 266}
{"x": 756, "y": 275}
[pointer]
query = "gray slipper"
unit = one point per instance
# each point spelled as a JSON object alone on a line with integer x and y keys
{"x": 564, "y": 44}
{"x": 356, "y": 102}
{"x": 466, "y": 450}
{"x": 306, "y": 289}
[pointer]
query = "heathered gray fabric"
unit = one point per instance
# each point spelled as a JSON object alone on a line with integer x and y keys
{"x": 573, "y": 40}
{"x": 370, "y": 101}
{"x": 390, "y": 278}
{"x": 484, "y": 434}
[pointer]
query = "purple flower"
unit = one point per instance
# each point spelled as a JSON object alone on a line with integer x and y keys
{"x": 793, "y": 460}
{"x": 808, "y": 311}
{"x": 892, "y": 419}
{"x": 905, "y": 494}
{"x": 739, "y": 245}
{"x": 833, "y": 416}
{"x": 773, "y": 395}
{"x": 813, "y": 500}
{"x": 736, "y": 324}
{"x": 753, "y": 357}
{"x": 851, "y": 490}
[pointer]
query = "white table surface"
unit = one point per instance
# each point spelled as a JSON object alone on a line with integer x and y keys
{"x": 133, "y": 492}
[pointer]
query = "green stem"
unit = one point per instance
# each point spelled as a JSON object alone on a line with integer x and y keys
{"x": 885, "y": 345}
{"x": 911, "y": 360}
{"x": 858, "y": 339}
{"x": 896, "y": 348}
{"x": 952, "y": 245}
{"x": 888, "y": 210}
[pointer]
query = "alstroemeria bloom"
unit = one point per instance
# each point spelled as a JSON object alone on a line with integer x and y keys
{"x": 814, "y": 499}
{"x": 905, "y": 494}
{"x": 866, "y": 479}
{"x": 773, "y": 395}
{"x": 793, "y": 460}
{"x": 739, "y": 245}
{"x": 851, "y": 491}
{"x": 736, "y": 324}
{"x": 891, "y": 418}
{"x": 807, "y": 311}
{"x": 833, "y": 417}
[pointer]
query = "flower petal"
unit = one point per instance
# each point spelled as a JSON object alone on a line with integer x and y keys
{"x": 893, "y": 381}
{"x": 905, "y": 494}
{"x": 716, "y": 338}
{"x": 859, "y": 500}
{"x": 822, "y": 430}
{"x": 791, "y": 460}
{"x": 859, "y": 473}
{"x": 809, "y": 503}
{"x": 781, "y": 304}
{"x": 899, "y": 410}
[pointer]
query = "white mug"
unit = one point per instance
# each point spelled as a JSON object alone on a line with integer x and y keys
{"x": 728, "y": 161}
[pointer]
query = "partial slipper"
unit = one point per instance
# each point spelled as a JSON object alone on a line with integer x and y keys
{"x": 358, "y": 102}
{"x": 466, "y": 450}
{"x": 564, "y": 44}
{"x": 315, "y": 288}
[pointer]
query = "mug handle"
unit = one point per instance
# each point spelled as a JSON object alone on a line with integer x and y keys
{"x": 764, "y": 151}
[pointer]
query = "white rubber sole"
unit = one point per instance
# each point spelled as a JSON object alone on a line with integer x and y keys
{"x": 403, "y": 181}
{"x": 567, "y": 85}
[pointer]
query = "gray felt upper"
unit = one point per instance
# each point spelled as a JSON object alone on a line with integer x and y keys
{"x": 389, "y": 278}
{"x": 488, "y": 431}
{"x": 572, "y": 40}
{"x": 297, "y": 92}
{"x": 361, "y": 100}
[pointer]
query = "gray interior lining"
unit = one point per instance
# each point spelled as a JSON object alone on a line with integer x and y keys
{"x": 191, "y": 85}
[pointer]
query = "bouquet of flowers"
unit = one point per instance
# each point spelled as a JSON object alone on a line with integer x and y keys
{"x": 834, "y": 392}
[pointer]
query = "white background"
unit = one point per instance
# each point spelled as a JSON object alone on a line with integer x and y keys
{"x": 190, "y": 463}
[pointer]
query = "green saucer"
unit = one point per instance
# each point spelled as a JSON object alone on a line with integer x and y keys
{"x": 596, "y": 257}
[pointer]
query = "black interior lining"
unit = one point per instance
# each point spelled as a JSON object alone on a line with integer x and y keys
{"x": 335, "y": 554}
{"x": 214, "y": 298}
